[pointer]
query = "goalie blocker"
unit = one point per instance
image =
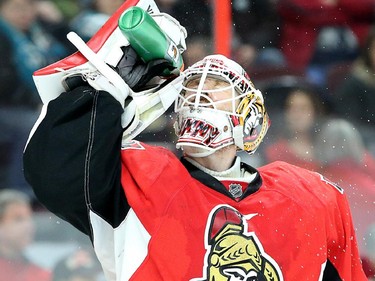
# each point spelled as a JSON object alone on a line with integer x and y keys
{"x": 107, "y": 60}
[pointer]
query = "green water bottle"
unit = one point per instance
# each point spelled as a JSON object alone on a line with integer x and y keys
{"x": 147, "y": 39}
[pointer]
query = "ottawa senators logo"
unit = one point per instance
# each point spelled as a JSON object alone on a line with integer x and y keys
{"x": 233, "y": 254}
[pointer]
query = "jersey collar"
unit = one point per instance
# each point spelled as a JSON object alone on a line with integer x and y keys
{"x": 214, "y": 183}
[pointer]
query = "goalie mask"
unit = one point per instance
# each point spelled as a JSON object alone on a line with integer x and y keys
{"x": 218, "y": 107}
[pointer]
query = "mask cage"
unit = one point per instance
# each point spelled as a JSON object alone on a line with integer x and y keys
{"x": 237, "y": 81}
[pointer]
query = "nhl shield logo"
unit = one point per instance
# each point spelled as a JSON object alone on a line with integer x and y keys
{"x": 235, "y": 189}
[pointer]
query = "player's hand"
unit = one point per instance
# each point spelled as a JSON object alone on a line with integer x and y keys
{"x": 135, "y": 72}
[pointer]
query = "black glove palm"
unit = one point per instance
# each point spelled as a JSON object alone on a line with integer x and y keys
{"x": 136, "y": 73}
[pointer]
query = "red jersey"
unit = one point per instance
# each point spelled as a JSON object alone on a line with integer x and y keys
{"x": 358, "y": 181}
{"x": 152, "y": 216}
{"x": 291, "y": 224}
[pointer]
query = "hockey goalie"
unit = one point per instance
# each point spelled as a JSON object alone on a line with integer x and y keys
{"x": 152, "y": 216}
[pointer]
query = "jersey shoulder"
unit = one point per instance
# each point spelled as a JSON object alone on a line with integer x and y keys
{"x": 298, "y": 182}
{"x": 150, "y": 163}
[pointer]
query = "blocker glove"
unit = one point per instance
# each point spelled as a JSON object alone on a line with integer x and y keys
{"x": 136, "y": 73}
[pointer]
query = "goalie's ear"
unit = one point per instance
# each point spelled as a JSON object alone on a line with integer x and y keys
{"x": 136, "y": 73}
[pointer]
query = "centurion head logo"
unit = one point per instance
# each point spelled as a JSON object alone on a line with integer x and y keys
{"x": 233, "y": 254}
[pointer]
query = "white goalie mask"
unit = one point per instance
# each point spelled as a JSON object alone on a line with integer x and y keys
{"x": 219, "y": 106}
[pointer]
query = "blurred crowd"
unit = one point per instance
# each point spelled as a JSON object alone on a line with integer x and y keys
{"x": 313, "y": 60}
